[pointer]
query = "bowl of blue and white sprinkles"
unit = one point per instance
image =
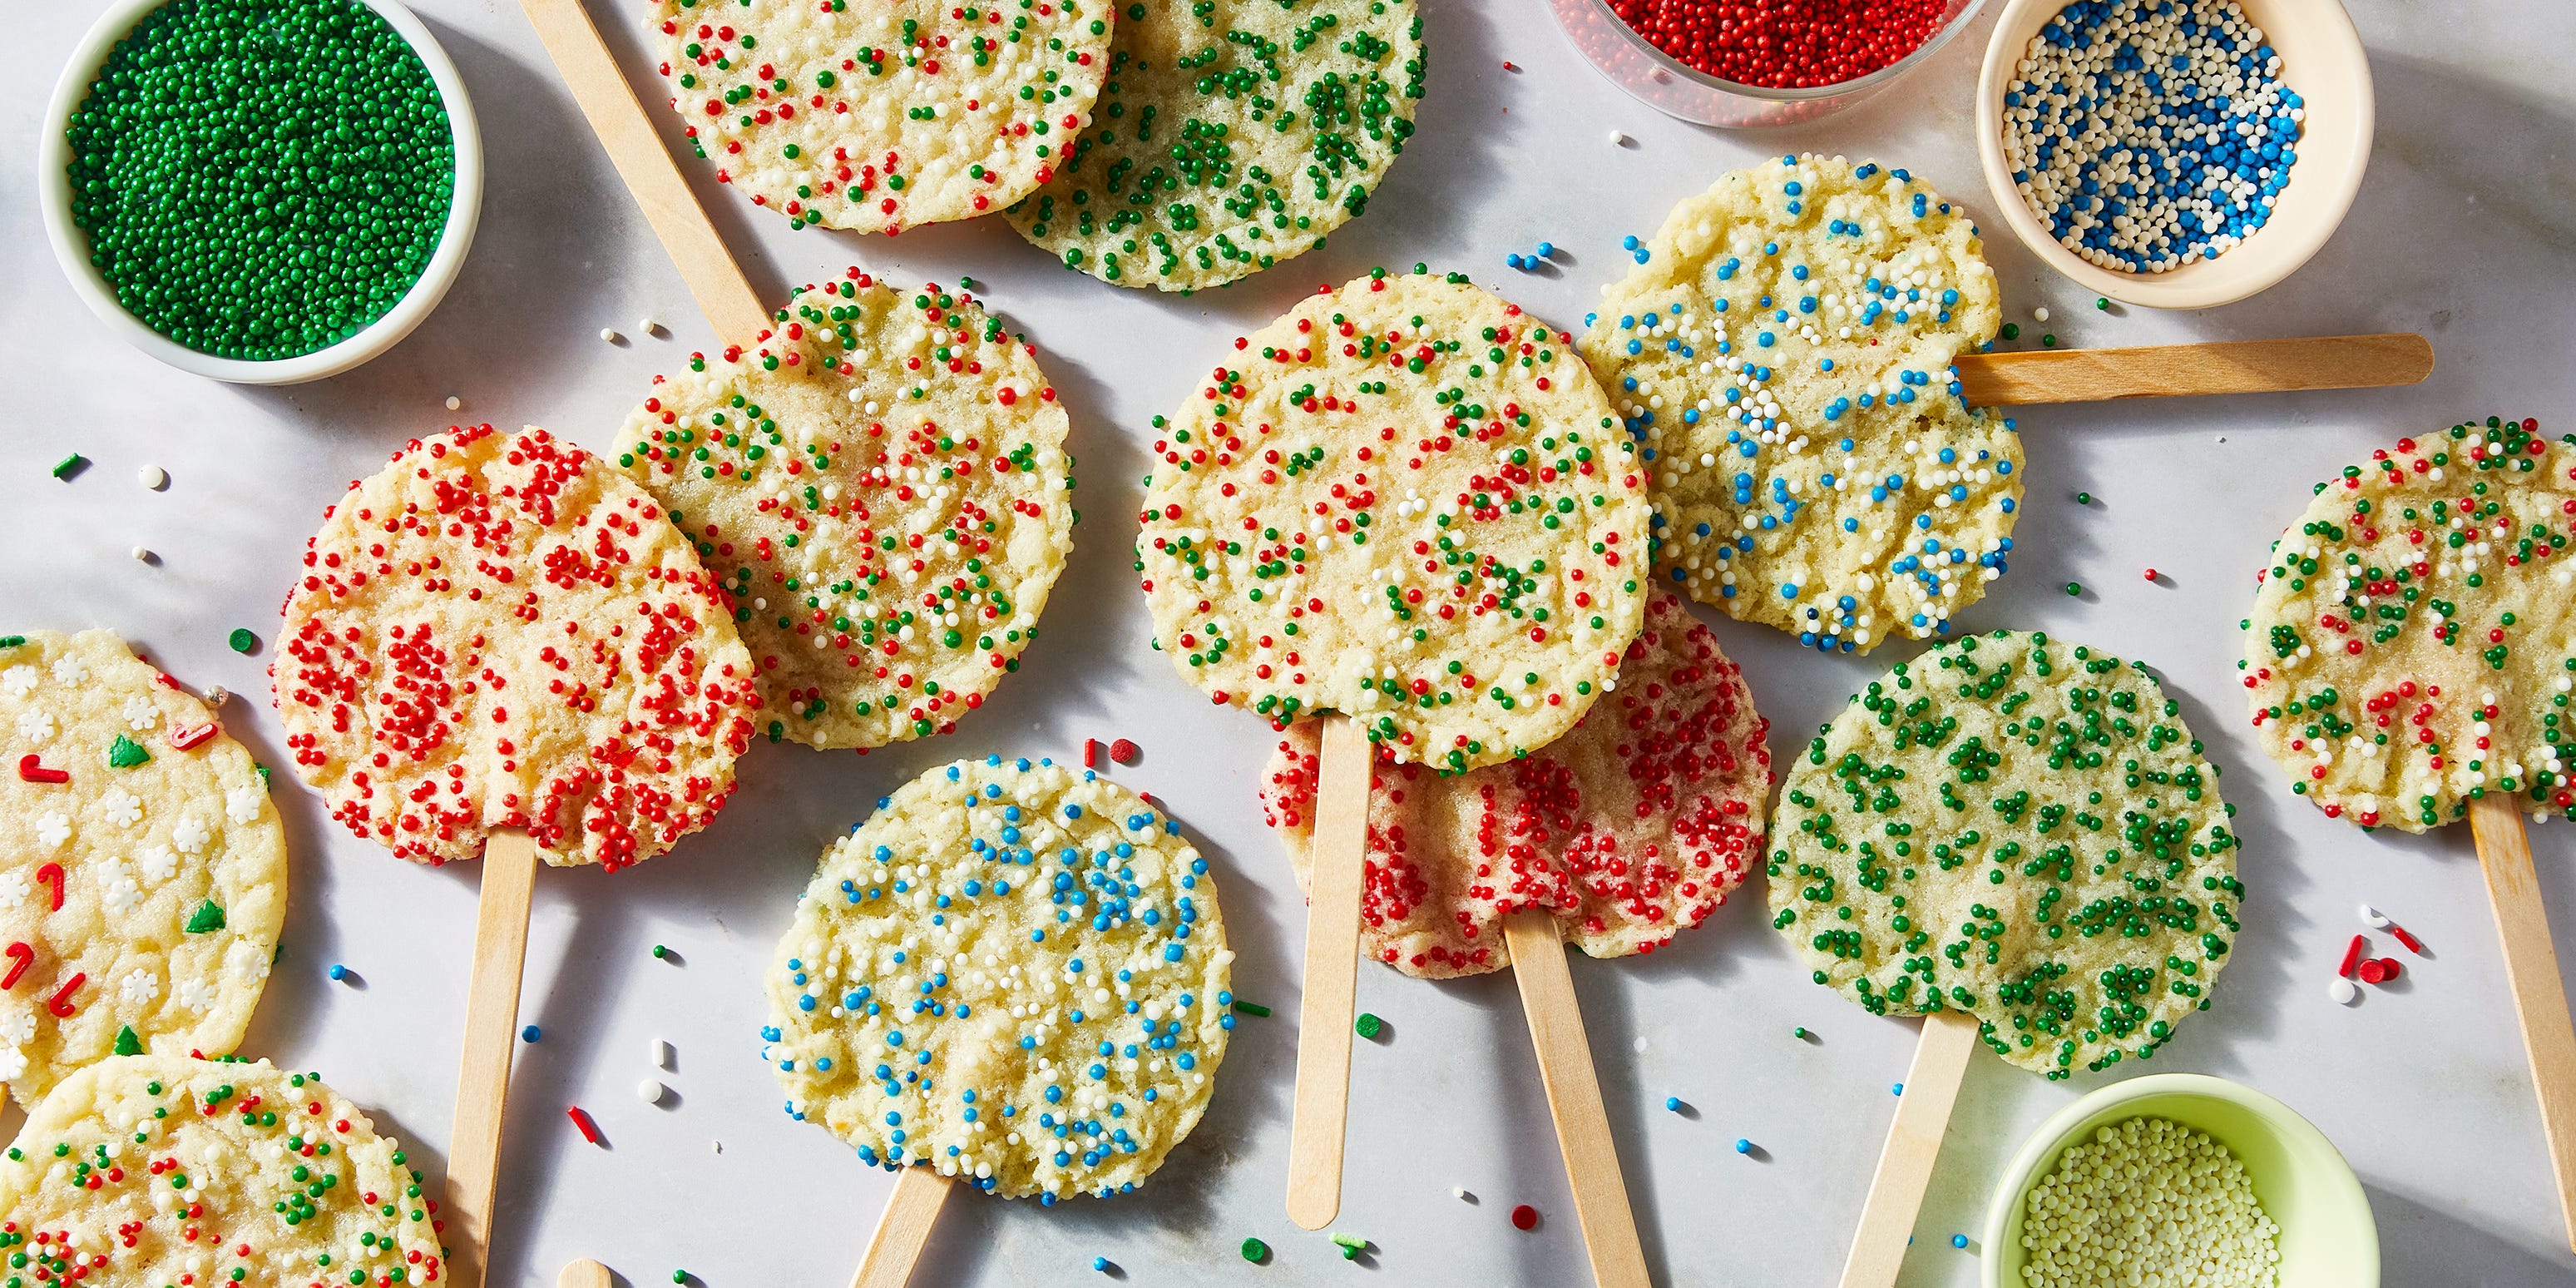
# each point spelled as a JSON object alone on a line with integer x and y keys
{"x": 2174, "y": 153}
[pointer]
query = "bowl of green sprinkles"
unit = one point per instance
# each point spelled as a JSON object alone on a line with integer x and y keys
{"x": 2234, "y": 1188}
{"x": 260, "y": 191}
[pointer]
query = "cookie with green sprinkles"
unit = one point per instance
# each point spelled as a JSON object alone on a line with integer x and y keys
{"x": 1409, "y": 504}
{"x": 1783, "y": 353}
{"x": 880, "y": 115}
{"x": 1231, "y": 135}
{"x": 131, "y": 812}
{"x": 162, "y": 1169}
{"x": 2019, "y": 829}
{"x": 2413, "y": 641}
{"x": 1013, "y": 972}
{"x": 881, "y": 486}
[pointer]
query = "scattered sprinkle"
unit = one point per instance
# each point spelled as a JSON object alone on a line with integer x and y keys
{"x": 1673, "y": 1103}
{"x": 70, "y": 465}
{"x": 660, "y": 952}
{"x": 2048, "y": 341}
{"x": 2074, "y": 588}
{"x": 1460, "y": 1193}
{"x": 1091, "y": 753}
{"x": 2373, "y": 917}
{"x": 455, "y": 403}
{"x": 1618, "y": 140}
{"x": 242, "y": 640}
{"x": 2084, "y": 498}
{"x": 610, "y": 336}
{"x": 1255, "y": 1251}
{"x": 2102, "y": 303}
{"x": 1351, "y": 1245}
{"x": 650, "y": 1091}
{"x": 2374, "y": 970}
{"x": 662, "y": 1054}
{"x": 2151, "y": 574}
{"x": 2406, "y": 937}
{"x": 338, "y": 971}
{"x": 1958, "y": 1241}
{"x": 1369, "y": 1025}
{"x": 2039, "y": 314}
{"x": 2351, "y": 955}
{"x": 1510, "y": 66}
{"x": 1896, "y": 1088}
{"x": 649, "y": 327}
{"x": 531, "y": 1033}
{"x": 581, "y": 1118}
{"x": 2342, "y": 991}
{"x": 1524, "y": 1217}
{"x": 1100, "y": 1264}
{"x": 1251, "y": 1008}
{"x": 152, "y": 477}
{"x": 1125, "y": 751}
{"x": 1743, "y": 1146}
{"x": 2012, "y": 330}
{"x": 1799, "y": 1033}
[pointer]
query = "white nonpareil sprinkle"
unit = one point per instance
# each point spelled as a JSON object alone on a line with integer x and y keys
{"x": 649, "y": 1091}
{"x": 153, "y": 477}
{"x": 2039, "y": 314}
{"x": 454, "y": 402}
{"x": 144, "y": 555}
{"x": 608, "y": 335}
{"x": 2148, "y": 1201}
{"x": 1618, "y": 140}
{"x": 649, "y": 327}
{"x": 2342, "y": 992}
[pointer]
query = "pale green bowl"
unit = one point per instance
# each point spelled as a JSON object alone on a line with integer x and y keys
{"x": 2327, "y": 1237}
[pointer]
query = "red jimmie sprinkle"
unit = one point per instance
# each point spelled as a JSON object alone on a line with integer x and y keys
{"x": 1524, "y": 1217}
{"x": 581, "y": 1118}
{"x": 2413, "y": 945}
{"x": 1091, "y": 753}
{"x": 1784, "y": 44}
{"x": 2351, "y": 955}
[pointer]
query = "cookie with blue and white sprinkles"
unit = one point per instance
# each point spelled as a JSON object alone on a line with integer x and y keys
{"x": 1782, "y": 353}
{"x": 1013, "y": 972}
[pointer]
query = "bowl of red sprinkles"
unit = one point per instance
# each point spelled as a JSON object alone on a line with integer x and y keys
{"x": 1758, "y": 62}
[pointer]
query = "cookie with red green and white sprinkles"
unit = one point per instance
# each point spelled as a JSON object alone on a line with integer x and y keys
{"x": 1231, "y": 135}
{"x": 881, "y": 486}
{"x": 1014, "y": 972}
{"x": 502, "y": 631}
{"x": 1409, "y": 504}
{"x": 1631, "y": 828}
{"x": 161, "y": 1169}
{"x": 2413, "y": 642}
{"x": 880, "y": 115}
{"x": 1783, "y": 352}
{"x": 142, "y": 868}
{"x": 2016, "y": 828}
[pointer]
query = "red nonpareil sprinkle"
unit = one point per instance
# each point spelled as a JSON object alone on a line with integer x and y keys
{"x": 2413, "y": 945}
{"x": 1784, "y": 44}
{"x": 2374, "y": 970}
{"x": 2151, "y": 574}
{"x": 31, "y": 768}
{"x": 1125, "y": 751}
{"x": 2351, "y": 955}
{"x": 581, "y": 1118}
{"x": 1524, "y": 1217}
{"x": 1510, "y": 66}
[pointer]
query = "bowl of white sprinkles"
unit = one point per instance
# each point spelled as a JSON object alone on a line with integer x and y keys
{"x": 2182, "y": 1181}
{"x": 2174, "y": 154}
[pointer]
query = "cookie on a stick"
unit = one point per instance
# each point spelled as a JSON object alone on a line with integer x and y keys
{"x": 1011, "y": 978}
{"x": 500, "y": 646}
{"x": 1405, "y": 507}
{"x": 2018, "y": 840}
{"x": 2409, "y": 656}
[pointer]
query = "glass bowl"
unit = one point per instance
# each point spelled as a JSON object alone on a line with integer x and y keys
{"x": 1674, "y": 88}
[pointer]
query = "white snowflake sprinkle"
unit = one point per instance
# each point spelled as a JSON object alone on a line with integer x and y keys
{"x": 53, "y": 827}
{"x": 190, "y": 835}
{"x": 18, "y": 681}
{"x": 70, "y": 670}
{"x": 140, "y": 713}
{"x": 36, "y": 725}
{"x": 119, "y": 892}
{"x": 122, "y": 807}
{"x": 196, "y": 994}
{"x": 157, "y": 862}
{"x": 241, "y": 804}
{"x": 139, "y": 988}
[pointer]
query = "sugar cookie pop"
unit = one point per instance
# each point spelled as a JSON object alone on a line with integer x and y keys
{"x": 162, "y": 1169}
{"x": 1409, "y": 507}
{"x": 142, "y": 868}
{"x": 1012, "y": 976}
{"x": 1784, "y": 352}
{"x": 2409, "y": 657}
{"x": 2019, "y": 840}
{"x": 501, "y": 645}
{"x": 880, "y": 482}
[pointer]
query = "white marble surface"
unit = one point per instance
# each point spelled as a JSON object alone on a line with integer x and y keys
{"x": 2465, "y": 230}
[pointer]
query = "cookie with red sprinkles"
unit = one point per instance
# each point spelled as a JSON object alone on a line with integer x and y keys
{"x": 879, "y": 115}
{"x": 881, "y": 486}
{"x": 1405, "y": 501}
{"x": 161, "y": 1169}
{"x": 2413, "y": 640}
{"x": 142, "y": 867}
{"x": 1631, "y": 828}
{"x": 502, "y": 631}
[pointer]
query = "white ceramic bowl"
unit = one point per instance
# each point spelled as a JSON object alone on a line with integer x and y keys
{"x": 2321, "y": 59}
{"x": 2327, "y": 1238}
{"x": 71, "y": 245}
{"x": 1676, "y": 88}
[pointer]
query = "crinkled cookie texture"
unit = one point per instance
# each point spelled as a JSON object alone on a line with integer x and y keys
{"x": 879, "y": 115}
{"x": 881, "y": 486}
{"x": 1631, "y": 828}
{"x": 2413, "y": 642}
{"x": 1410, "y": 505}
{"x": 1783, "y": 352}
{"x": 158, "y": 1169}
{"x": 1013, "y": 972}
{"x": 1231, "y": 135}
{"x": 2020, "y": 829}
{"x": 142, "y": 868}
{"x": 500, "y": 630}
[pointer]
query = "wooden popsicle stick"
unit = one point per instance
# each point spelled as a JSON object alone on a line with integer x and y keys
{"x": 491, "y": 1038}
{"x": 609, "y": 104}
{"x": 2539, "y": 993}
{"x": 584, "y": 1273}
{"x": 903, "y": 1229}
{"x": 1574, "y": 1101}
{"x": 1913, "y": 1146}
{"x": 2176, "y": 370}
{"x": 1335, "y": 873}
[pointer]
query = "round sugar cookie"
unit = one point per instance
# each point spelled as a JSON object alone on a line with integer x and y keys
{"x": 1411, "y": 505}
{"x": 1230, "y": 135}
{"x": 1784, "y": 354}
{"x": 1014, "y": 972}
{"x": 880, "y": 115}
{"x": 882, "y": 488}
{"x": 142, "y": 868}
{"x": 2020, "y": 829}
{"x": 159, "y": 1169}
{"x": 499, "y": 630}
{"x": 2413, "y": 642}
{"x": 1631, "y": 828}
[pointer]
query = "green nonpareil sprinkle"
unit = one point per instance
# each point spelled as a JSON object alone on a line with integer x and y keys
{"x": 241, "y": 640}
{"x": 1368, "y": 1025}
{"x": 1254, "y": 1250}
